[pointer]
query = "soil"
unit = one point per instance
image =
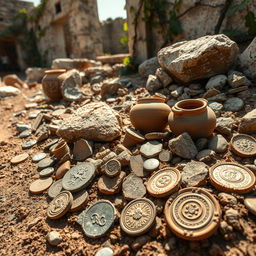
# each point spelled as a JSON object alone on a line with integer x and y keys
{"x": 24, "y": 225}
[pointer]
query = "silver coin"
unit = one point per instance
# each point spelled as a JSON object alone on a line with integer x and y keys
{"x": 46, "y": 162}
{"x": 46, "y": 172}
{"x": 28, "y": 144}
{"x": 38, "y": 157}
{"x": 55, "y": 189}
{"x": 78, "y": 177}
{"x": 97, "y": 219}
{"x": 25, "y": 134}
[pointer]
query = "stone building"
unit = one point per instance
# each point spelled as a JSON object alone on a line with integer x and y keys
{"x": 112, "y": 33}
{"x": 197, "y": 18}
{"x": 9, "y": 49}
{"x": 69, "y": 28}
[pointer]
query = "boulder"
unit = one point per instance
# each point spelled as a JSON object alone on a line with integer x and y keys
{"x": 218, "y": 144}
{"x": 148, "y": 67}
{"x": 110, "y": 87}
{"x": 94, "y": 121}
{"x": 247, "y": 60}
{"x": 163, "y": 77}
{"x": 8, "y": 91}
{"x": 248, "y": 123}
{"x": 198, "y": 59}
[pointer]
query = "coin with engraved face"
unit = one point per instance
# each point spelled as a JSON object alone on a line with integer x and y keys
{"x": 78, "y": 177}
{"x": 112, "y": 168}
{"x": 60, "y": 205}
{"x": 164, "y": 182}
{"x": 192, "y": 213}
{"x": 138, "y": 216}
{"x": 243, "y": 145}
{"x": 232, "y": 177}
{"x": 97, "y": 219}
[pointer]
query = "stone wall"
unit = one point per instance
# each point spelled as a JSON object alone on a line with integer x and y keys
{"x": 112, "y": 32}
{"x": 198, "y": 18}
{"x": 69, "y": 29}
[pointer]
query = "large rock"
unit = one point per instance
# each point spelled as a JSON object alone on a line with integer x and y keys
{"x": 248, "y": 123}
{"x": 148, "y": 67}
{"x": 247, "y": 60}
{"x": 194, "y": 174}
{"x": 8, "y": 91}
{"x": 183, "y": 146}
{"x": 200, "y": 58}
{"x": 94, "y": 121}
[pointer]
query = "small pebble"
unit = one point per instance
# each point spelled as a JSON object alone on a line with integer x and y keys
{"x": 106, "y": 251}
{"x": 54, "y": 238}
{"x": 151, "y": 164}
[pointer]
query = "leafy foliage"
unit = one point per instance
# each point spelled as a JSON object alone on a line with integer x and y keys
{"x": 250, "y": 23}
{"x": 131, "y": 66}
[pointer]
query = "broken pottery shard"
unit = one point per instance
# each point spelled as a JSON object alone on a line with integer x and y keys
{"x": 248, "y": 123}
{"x": 94, "y": 121}
{"x": 200, "y": 58}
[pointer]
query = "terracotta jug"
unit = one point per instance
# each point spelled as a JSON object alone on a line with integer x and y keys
{"x": 192, "y": 116}
{"x": 150, "y": 114}
{"x": 51, "y": 84}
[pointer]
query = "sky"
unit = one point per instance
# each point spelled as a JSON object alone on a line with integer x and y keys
{"x": 106, "y": 8}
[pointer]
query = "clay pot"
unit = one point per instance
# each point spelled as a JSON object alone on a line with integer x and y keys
{"x": 60, "y": 150}
{"x": 150, "y": 114}
{"x": 192, "y": 116}
{"x": 51, "y": 84}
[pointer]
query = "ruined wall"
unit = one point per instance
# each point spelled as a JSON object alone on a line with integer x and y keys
{"x": 198, "y": 18}
{"x": 112, "y": 32}
{"x": 69, "y": 29}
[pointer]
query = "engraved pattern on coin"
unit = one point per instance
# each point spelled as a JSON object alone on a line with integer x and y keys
{"x": 231, "y": 176}
{"x": 78, "y": 177}
{"x": 138, "y": 216}
{"x": 60, "y": 205}
{"x": 164, "y": 180}
{"x": 244, "y": 145}
{"x": 97, "y": 219}
{"x": 192, "y": 211}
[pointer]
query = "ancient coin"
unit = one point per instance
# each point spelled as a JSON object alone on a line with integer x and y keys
{"x": 165, "y": 156}
{"x": 232, "y": 177}
{"x": 55, "y": 189}
{"x": 46, "y": 162}
{"x": 151, "y": 164}
{"x": 97, "y": 219}
{"x": 28, "y": 144}
{"x": 25, "y": 134}
{"x": 46, "y": 172}
{"x": 79, "y": 177}
{"x": 164, "y": 182}
{"x": 112, "y": 168}
{"x": 133, "y": 187}
{"x": 151, "y": 148}
{"x": 51, "y": 144}
{"x": 243, "y": 145}
{"x": 60, "y": 205}
{"x": 40, "y": 185}
{"x": 19, "y": 158}
{"x": 250, "y": 203}
{"x": 38, "y": 157}
{"x": 192, "y": 213}
{"x": 138, "y": 216}
{"x": 79, "y": 200}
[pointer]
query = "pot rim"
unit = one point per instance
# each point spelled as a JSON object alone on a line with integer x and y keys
{"x": 55, "y": 71}
{"x": 179, "y": 106}
{"x": 152, "y": 98}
